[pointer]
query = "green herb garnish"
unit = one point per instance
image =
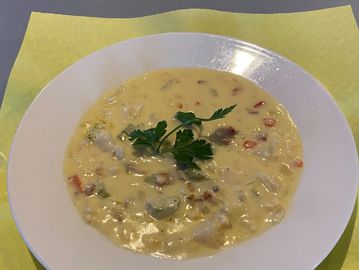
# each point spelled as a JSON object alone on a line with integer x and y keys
{"x": 149, "y": 137}
{"x": 186, "y": 148}
{"x": 188, "y": 118}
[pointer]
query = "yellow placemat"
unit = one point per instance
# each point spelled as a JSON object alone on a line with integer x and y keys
{"x": 325, "y": 43}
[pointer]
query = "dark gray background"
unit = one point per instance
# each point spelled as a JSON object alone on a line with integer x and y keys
{"x": 14, "y": 15}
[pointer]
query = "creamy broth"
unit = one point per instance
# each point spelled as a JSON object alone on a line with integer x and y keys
{"x": 149, "y": 204}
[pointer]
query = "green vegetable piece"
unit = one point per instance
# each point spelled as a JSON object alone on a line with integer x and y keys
{"x": 101, "y": 191}
{"x": 195, "y": 175}
{"x": 125, "y": 134}
{"x": 163, "y": 208}
{"x": 93, "y": 132}
{"x": 103, "y": 194}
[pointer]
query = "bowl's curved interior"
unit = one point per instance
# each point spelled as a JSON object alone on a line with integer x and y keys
{"x": 54, "y": 231}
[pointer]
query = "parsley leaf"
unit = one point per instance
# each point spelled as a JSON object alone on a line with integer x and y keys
{"x": 186, "y": 149}
{"x": 221, "y": 113}
{"x": 160, "y": 129}
{"x": 188, "y": 118}
{"x": 149, "y": 137}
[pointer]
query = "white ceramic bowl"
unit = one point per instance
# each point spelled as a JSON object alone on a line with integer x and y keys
{"x": 53, "y": 230}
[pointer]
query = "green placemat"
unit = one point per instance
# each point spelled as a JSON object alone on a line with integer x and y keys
{"x": 324, "y": 42}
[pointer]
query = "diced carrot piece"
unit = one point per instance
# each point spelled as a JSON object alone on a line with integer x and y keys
{"x": 269, "y": 122}
{"x": 75, "y": 180}
{"x": 249, "y": 144}
{"x": 298, "y": 163}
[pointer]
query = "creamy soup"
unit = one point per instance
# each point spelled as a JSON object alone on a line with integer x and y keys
{"x": 240, "y": 177}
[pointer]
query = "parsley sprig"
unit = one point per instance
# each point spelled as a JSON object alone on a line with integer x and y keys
{"x": 185, "y": 148}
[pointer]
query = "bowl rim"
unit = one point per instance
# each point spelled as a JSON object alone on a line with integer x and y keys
{"x": 160, "y": 35}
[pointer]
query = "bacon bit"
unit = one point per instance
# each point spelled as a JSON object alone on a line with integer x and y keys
{"x": 231, "y": 131}
{"x": 201, "y": 81}
{"x": 197, "y": 103}
{"x": 236, "y": 91}
{"x": 269, "y": 122}
{"x": 298, "y": 163}
{"x": 207, "y": 195}
{"x": 179, "y": 105}
{"x": 260, "y": 103}
{"x": 249, "y": 144}
{"x": 75, "y": 180}
{"x": 190, "y": 197}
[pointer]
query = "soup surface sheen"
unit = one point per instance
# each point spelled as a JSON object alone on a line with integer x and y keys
{"x": 149, "y": 204}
